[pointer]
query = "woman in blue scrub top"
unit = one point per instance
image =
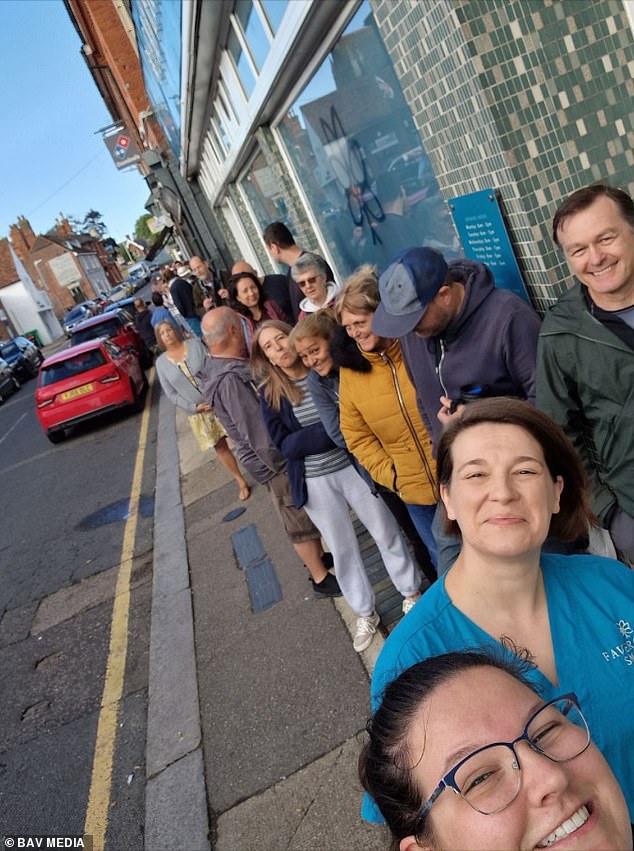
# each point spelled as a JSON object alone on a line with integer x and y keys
{"x": 509, "y": 478}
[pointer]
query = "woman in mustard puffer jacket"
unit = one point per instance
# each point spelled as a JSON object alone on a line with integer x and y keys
{"x": 379, "y": 417}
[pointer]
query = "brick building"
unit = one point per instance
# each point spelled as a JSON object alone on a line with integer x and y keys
{"x": 61, "y": 263}
{"x": 24, "y": 307}
{"x": 110, "y": 51}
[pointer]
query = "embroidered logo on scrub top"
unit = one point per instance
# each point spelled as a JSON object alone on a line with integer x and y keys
{"x": 623, "y": 651}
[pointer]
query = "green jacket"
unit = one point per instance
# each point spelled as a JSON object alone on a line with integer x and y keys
{"x": 585, "y": 381}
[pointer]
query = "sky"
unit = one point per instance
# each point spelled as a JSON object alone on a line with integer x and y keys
{"x": 51, "y": 158}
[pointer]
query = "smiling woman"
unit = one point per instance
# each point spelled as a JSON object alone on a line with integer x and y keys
{"x": 522, "y": 772}
{"x": 508, "y": 478}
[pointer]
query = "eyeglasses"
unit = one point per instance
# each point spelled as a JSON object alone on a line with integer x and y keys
{"x": 313, "y": 279}
{"x": 489, "y": 779}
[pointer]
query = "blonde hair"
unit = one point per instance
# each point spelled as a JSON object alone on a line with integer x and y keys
{"x": 273, "y": 381}
{"x": 322, "y": 324}
{"x": 360, "y": 292}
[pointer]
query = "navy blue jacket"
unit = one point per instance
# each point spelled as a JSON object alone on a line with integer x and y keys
{"x": 492, "y": 341}
{"x": 295, "y": 442}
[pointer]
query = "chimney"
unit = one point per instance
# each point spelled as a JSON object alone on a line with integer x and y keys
{"x": 22, "y": 237}
{"x": 63, "y": 226}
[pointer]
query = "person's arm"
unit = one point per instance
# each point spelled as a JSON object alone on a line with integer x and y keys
{"x": 557, "y": 396}
{"x": 362, "y": 442}
{"x": 520, "y": 348}
{"x": 308, "y": 440}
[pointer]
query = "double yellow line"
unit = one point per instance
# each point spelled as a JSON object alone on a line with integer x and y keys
{"x": 96, "y": 822}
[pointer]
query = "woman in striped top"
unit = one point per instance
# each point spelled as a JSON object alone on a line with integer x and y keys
{"x": 323, "y": 480}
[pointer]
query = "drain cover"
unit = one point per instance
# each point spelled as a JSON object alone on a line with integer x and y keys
{"x": 263, "y": 584}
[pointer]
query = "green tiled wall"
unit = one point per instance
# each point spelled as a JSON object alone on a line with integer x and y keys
{"x": 532, "y": 97}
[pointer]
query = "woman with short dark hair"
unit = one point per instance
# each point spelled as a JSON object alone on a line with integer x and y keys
{"x": 508, "y": 478}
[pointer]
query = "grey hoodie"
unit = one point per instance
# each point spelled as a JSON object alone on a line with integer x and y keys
{"x": 226, "y": 385}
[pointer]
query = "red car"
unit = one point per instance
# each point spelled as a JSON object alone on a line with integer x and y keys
{"x": 118, "y": 325}
{"x": 85, "y": 381}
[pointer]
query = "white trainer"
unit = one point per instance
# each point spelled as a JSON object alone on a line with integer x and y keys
{"x": 366, "y": 628}
{"x": 408, "y": 605}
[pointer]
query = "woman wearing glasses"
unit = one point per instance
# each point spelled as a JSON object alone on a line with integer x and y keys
{"x": 463, "y": 753}
{"x": 509, "y": 477}
{"x": 310, "y": 273}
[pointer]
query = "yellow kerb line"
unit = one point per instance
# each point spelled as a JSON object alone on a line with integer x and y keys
{"x": 96, "y": 822}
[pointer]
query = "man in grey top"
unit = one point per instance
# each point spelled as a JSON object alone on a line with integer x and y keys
{"x": 226, "y": 385}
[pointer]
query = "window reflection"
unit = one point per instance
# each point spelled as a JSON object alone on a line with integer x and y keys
{"x": 274, "y": 10}
{"x": 359, "y": 157}
{"x": 242, "y": 64}
{"x": 265, "y": 194}
{"x": 253, "y": 30}
{"x": 158, "y": 31}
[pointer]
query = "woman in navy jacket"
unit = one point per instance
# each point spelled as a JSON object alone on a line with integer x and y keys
{"x": 323, "y": 480}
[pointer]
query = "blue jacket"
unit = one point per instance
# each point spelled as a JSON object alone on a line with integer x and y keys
{"x": 295, "y": 442}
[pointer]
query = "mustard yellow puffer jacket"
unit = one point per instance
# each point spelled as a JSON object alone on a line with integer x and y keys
{"x": 383, "y": 429}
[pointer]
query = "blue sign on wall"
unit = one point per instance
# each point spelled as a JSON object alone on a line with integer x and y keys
{"x": 478, "y": 220}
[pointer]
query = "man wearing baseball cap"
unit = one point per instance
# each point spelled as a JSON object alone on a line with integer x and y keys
{"x": 461, "y": 336}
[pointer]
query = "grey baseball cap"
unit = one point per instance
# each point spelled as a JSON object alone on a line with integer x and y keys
{"x": 406, "y": 287}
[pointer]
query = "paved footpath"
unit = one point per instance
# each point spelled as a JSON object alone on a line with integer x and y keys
{"x": 255, "y": 718}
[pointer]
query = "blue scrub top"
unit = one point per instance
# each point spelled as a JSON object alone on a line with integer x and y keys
{"x": 591, "y": 612}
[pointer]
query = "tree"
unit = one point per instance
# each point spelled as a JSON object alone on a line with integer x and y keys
{"x": 92, "y": 223}
{"x": 93, "y": 220}
{"x": 141, "y": 229}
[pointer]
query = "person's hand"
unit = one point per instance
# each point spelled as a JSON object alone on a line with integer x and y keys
{"x": 209, "y": 303}
{"x": 445, "y": 415}
{"x": 223, "y": 292}
{"x": 202, "y": 406}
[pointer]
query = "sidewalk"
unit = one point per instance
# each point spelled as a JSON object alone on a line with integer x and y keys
{"x": 254, "y": 718}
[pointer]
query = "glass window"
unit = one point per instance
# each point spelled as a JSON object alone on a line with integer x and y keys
{"x": 158, "y": 31}
{"x": 242, "y": 63}
{"x": 264, "y": 194}
{"x": 359, "y": 158}
{"x": 274, "y": 10}
{"x": 253, "y": 30}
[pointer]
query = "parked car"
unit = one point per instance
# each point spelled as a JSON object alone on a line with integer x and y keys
{"x": 77, "y": 314}
{"x": 23, "y": 357}
{"x": 118, "y": 325}
{"x": 86, "y": 381}
{"x": 8, "y": 382}
{"x": 124, "y": 290}
{"x": 126, "y": 304}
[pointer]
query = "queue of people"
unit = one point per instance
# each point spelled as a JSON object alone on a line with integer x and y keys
{"x": 501, "y": 449}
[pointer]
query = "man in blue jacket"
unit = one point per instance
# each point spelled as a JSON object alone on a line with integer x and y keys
{"x": 461, "y": 336}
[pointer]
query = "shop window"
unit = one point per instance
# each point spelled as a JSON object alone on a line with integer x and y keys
{"x": 359, "y": 158}
{"x": 264, "y": 194}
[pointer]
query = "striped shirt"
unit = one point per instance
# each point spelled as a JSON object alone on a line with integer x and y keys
{"x": 321, "y": 463}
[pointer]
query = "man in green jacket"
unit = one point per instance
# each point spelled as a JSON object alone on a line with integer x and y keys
{"x": 585, "y": 363}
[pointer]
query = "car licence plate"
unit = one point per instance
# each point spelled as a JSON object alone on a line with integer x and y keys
{"x": 77, "y": 391}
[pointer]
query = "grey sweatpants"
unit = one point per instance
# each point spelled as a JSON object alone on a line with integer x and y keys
{"x": 327, "y": 506}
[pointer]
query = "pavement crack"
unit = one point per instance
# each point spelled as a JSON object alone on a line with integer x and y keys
{"x": 313, "y": 799}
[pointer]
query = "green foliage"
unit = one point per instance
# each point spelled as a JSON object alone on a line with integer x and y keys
{"x": 141, "y": 229}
